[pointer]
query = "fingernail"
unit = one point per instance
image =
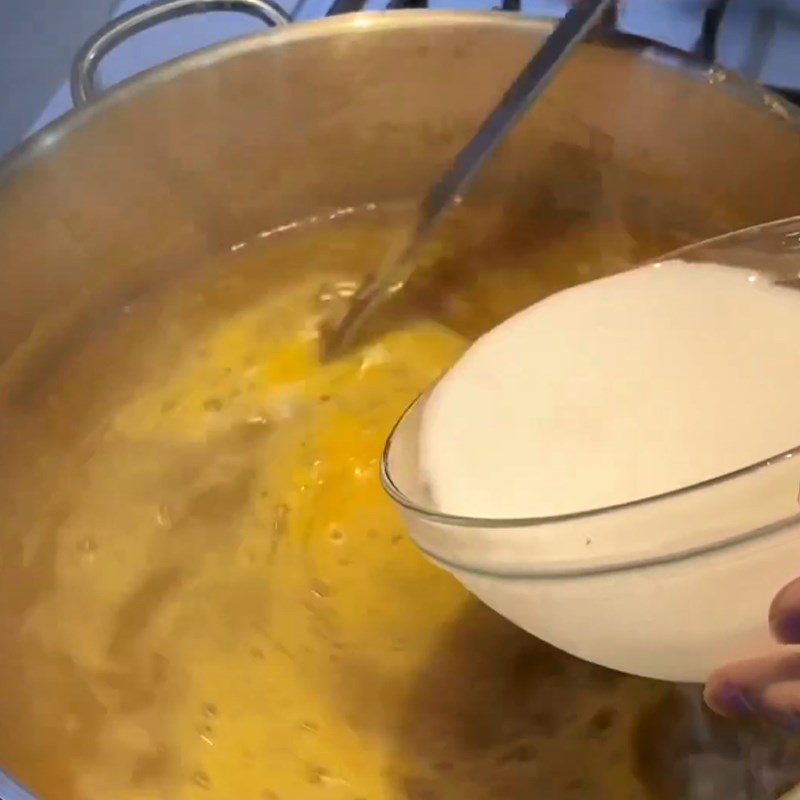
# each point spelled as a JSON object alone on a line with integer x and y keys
{"x": 787, "y": 628}
{"x": 734, "y": 701}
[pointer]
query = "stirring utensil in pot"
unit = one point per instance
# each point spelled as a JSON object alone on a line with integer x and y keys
{"x": 400, "y": 264}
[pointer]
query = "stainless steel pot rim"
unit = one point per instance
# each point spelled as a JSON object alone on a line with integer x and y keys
{"x": 370, "y": 22}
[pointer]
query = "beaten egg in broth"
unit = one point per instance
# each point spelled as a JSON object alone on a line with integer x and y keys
{"x": 206, "y": 593}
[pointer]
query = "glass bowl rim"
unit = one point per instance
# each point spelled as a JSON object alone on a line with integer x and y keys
{"x": 462, "y": 521}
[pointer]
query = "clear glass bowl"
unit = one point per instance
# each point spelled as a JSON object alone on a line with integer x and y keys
{"x": 701, "y": 563}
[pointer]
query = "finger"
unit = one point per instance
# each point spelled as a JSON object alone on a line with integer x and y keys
{"x": 737, "y": 689}
{"x": 784, "y": 614}
{"x": 781, "y": 704}
{"x": 729, "y": 700}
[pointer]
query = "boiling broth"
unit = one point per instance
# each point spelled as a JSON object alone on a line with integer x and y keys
{"x": 205, "y": 593}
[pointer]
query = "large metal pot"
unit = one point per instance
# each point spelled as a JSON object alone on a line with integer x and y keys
{"x": 212, "y": 148}
{"x": 207, "y": 151}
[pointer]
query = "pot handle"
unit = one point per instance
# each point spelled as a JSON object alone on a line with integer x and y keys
{"x": 11, "y": 790}
{"x": 84, "y": 67}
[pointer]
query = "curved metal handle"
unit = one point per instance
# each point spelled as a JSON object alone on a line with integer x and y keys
{"x": 118, "y": 30}
{"x": 11, "y": 790}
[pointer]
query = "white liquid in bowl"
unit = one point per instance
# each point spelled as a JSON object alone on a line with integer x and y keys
{"x": 615, "y": 391}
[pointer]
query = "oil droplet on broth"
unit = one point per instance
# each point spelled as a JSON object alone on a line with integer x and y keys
{"x": 336, "y": 535}
{"x": 164, "y": 516}
{"x": 87, "y": 546}
{"x": 205, "y": 729}
{"x": 201, "y": 780}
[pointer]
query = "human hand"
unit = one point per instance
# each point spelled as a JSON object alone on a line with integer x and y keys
{"x": 766, "y": 687}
